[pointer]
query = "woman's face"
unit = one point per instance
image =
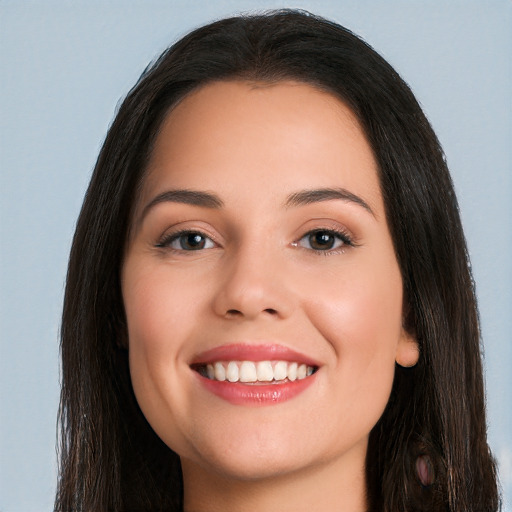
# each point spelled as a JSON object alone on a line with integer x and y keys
{"x": 260, "y": 252}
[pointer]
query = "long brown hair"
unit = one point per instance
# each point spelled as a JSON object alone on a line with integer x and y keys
{"x": 110, "y": 458}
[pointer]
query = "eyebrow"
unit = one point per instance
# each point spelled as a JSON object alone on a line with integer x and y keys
{"x": 193, "y": 197}
{"x": 325, "y": 194}
{"x": 209, "y": 200}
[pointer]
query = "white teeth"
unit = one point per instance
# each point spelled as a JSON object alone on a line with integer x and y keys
{"x": 280, "y": 370}
{"x": 262, "y": 371}
{"x": 247, "y": 372}
{"x": 265, "y": 372}
{"x": 292, "y": 371}
{"x": 220, "y": 371}
{"x": 232, "y": 373}
{"x": 301, "y": 371}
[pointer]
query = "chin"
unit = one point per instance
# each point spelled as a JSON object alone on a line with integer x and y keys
{"x": 248, "y": 467}
{"x": 257, "y": 455}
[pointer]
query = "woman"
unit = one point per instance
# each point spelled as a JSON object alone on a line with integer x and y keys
{"x": 211, "y": 361}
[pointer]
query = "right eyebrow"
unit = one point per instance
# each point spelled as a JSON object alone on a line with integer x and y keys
{"x": 184, "y": 196}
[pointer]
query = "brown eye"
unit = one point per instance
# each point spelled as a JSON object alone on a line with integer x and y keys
{"x": 321, "y": 240}
{"x": 187, "y": 241}
{"x": 324, "y": 240}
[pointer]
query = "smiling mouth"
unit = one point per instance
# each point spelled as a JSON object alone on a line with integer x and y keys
{"x": 255, "y": 373}
{"x": 249, "y": 372}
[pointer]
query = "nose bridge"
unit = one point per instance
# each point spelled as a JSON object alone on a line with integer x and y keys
{"x": 254, "y": 283}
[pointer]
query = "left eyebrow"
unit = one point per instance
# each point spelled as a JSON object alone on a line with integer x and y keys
{"x": 304, "y": 197}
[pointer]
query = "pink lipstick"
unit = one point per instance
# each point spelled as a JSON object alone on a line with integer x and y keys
{"x": 261, "y": 374}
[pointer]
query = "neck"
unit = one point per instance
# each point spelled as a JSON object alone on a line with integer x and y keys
{"x": 328, "y": 487}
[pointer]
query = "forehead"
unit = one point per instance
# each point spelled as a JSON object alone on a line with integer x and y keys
{"x": 262, "y": 138}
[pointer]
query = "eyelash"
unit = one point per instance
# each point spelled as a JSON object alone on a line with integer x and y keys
{"x": 340, "y": 235}
{"x": 167, "y": 240}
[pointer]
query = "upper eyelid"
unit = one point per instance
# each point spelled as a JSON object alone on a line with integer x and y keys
{"x": 338, "y": 231}
{"x": 334, "y": 231}
{"x": 173, "y": 235}
{"x": 342, "y": 235}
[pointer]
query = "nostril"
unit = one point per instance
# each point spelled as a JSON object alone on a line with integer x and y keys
{"x": 236, "y": 312}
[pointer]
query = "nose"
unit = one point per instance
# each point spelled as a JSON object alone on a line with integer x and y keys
{"x": 254, "y": 285}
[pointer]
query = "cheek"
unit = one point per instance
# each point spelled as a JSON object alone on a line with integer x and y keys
{"x": 360, "y": 310}
{"x": 154, "y": 332}
{"x": 157, "y": 329}
{"x": 150, "y": 332}
{"x": 360, "y": 315}
{"x": 157, "y": 310}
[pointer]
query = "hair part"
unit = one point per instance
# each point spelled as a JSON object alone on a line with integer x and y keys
{"x": 110, "y": 457}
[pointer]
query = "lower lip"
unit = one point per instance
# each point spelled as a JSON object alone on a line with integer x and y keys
{"x": 256, "y": 394}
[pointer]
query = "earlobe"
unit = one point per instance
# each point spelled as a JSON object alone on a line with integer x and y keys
{"x": 408, "y": 350}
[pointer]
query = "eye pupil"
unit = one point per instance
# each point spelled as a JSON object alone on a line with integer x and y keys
{"x": 192, "y": 241}
{"x": 321, "y": 240}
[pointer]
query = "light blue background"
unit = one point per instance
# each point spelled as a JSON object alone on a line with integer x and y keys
{"x": 64, "y": 67}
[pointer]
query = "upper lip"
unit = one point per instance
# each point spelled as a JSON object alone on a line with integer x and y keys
{"x": 252, "y": 352}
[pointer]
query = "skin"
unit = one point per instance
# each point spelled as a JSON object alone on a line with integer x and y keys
{"x": 258, "y": 280}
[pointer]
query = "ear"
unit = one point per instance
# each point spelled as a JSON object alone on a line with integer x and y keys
{"x": 408, "y": 350}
